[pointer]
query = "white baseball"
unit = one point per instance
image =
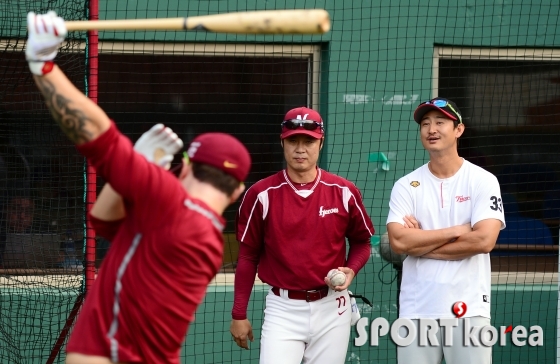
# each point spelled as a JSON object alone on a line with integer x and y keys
{"x": 337, "y": 277}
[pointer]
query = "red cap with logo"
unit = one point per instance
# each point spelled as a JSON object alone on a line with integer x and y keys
{"x": 221, "y": 151}
{"x": 303, "y": 120}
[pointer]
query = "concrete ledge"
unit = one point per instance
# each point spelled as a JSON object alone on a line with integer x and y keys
{"x": 227, "y": 279}
{"x": 524, "y": 278}
{"x": 56, "y": 281}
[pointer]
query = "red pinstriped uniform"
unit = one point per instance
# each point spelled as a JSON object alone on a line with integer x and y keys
{"x": 156, "y": 272}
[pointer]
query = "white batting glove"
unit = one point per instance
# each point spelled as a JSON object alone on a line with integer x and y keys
{"x": 46, "y": 34}
{"x": 158, "y": 145}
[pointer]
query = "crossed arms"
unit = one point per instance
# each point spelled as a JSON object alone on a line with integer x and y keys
{"x": 452, "y": 243}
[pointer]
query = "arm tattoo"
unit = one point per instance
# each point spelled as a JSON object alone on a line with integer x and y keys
{"x": 71, "y": 120}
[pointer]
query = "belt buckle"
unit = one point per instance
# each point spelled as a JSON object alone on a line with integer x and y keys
{"x": 307, "y": 298}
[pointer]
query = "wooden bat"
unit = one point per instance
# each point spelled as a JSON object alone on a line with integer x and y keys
{"x": 313, "y": 21}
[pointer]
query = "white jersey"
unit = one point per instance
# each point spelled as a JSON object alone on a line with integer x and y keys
{"x": 429, "y": 287}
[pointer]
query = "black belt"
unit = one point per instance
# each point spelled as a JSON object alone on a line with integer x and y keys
{"x": 308, "y": 296}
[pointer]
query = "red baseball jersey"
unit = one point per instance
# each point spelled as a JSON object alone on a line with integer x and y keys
{"x": 296, "y": 233}
{"x": 105, "y": 229}
{"x": 158, "y": 267}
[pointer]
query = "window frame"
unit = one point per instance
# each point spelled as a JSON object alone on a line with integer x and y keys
{"x": 499, "y": 276}
{"x": 494, "y": 54}
{"x": 312, "y": 52}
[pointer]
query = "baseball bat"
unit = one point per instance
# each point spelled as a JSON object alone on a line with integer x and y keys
{"x": 312, "y": 21}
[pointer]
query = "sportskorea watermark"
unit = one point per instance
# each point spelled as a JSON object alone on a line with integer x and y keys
{"x": 426, "y": 333}
{"x": 472, "y": 335}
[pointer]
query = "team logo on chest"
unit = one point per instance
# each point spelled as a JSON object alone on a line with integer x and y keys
{"x": 324, "y": 212}
{"x": 462, "y": 198}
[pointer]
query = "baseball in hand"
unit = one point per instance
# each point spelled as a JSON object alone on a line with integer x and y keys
{"x": 337, "y": 277}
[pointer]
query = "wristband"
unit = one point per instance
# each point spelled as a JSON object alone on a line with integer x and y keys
{"x": 41, "y": 68}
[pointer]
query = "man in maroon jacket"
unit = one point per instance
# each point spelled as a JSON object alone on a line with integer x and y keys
{"x": 293, "y": 226}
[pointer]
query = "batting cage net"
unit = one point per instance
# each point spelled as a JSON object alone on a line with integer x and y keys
{"x": 498, "y": 61}
{"x": 41, "y": 196}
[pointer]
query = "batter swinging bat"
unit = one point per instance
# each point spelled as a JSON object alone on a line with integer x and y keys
{"x": 313, "y": 21}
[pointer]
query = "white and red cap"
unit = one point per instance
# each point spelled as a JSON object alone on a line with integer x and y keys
{"x": 303, "y": 113}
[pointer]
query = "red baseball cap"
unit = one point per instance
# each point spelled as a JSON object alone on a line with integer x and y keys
{"x": 301, "y": 115}
{"x": 221, "y": 151}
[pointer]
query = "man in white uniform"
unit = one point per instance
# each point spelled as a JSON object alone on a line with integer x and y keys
{"x": 446, "y": 216}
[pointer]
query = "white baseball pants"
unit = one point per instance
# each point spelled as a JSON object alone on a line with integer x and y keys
{"x": 315, "y": 332}
{"x": 456, "y": 354}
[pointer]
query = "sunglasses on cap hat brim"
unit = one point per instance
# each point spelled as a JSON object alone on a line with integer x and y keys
{"x": 305, "y": 124}
{"x": 439, "y": 104}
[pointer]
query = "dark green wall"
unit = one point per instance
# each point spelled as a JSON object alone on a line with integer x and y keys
{"x": 208, "y": 342}
{"x": 31, "y": 320}
{"x": 379, "y": 49}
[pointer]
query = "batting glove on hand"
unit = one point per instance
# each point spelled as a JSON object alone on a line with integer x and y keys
{"x": 46, "y": 33}
{"x": 158, "y": 145}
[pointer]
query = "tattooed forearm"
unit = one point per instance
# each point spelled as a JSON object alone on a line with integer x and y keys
{"x": 71, "y": 121}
